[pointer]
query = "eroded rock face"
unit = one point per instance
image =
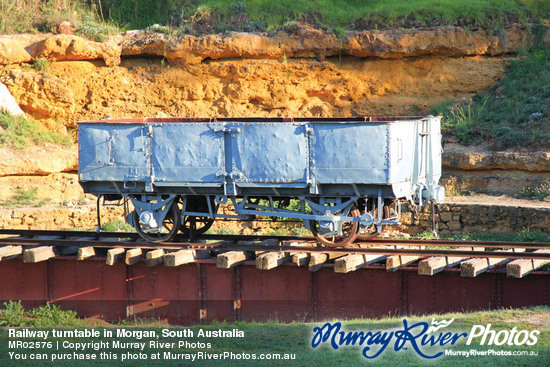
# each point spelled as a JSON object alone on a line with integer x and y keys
{"x": 306, "y": 74}
{"x": 12, "y": 52}
{"x": 68, "y": 47}
{"x": 445, "y": 41}
{"x": 309, "y": 73}
{"x": 524, "y": 161}
{"x": 57, "y": 218}
{"x": 38, "y": 160}
{"x": 80, "y": 90}
{"x": 476, "y": 218}
{"x": 43, "y": 96}
{"x": 305, "y": 43}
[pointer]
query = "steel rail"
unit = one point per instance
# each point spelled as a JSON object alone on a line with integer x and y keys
{"x": 135, "y": 235}
{"x": 453, "y": 243}
{"x": 101, "y": 244}
{"x": 407, "y": 252}
{"x": 221, "y": 237}
{"x": 232, "y": 246}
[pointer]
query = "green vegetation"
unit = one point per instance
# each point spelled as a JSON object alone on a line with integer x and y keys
{"x": 92, "y": 28}
{"x": 41, "y": 65}
{"x": 522, "y": 236}
{"x": 300, "y": 231}
{"x": 458, "y": 189}
{"x": 295, "y": 338}
{"x": 513, "y": 113}
{"x": 31, "y": 16}
{"x": 117, "y": 226}
{"x": 24, "y": 198}
{"x": 260, "y": 15}
{"x": 287, "y": 229}
{"x": 17, "y": 132}
{"x": 13, "y": 314}
{"x": 228, "y": 231}
{"x": 210, "y": 16}
{"x": 139, "y": 321}
{"x": 540, "y": 192}
{"x": 277, "y": 232}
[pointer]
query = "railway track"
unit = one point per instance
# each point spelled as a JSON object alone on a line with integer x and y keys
{"x": 429, "y": 256}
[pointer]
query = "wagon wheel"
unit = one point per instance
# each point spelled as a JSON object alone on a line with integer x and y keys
{"x": 169, "y": 228}
{"x": 350, "y": 230}
{"x": 195, "y": 226}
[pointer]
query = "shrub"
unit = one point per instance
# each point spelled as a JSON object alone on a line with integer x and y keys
{"x": 41, "y": 65}
{"x": 92, "y": 28}
{"x": 19, "y": 132}
{"x": 44, "y": 16}
{"x": 540, "y": 192}
{"x": 48, "y": 315}
{"x": 117, "y": 226}
{"x": 514, "y": 111}
{"x": 13, "y": 314}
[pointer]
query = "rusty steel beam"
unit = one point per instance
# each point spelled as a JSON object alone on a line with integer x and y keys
{"x": 200, "y": 292}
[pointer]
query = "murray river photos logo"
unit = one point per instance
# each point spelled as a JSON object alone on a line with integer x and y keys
{"x": 417, "y": 336}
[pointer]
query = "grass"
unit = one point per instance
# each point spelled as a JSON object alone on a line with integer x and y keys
{"x": 228, "y": 231}
{"x": 300, "y": 231}
{"x": 295, "y": 338}
{"x": 522, "y": 236}
{"x": 24, "y": 198}
{"x": 18, "y": 132}
{"x": 32, "y": 16}
{"x": 210, "y": 16}
{"x": 277, "y": 232}
{"x": 96, "y": 19}
{"x": 41, "y": 65}
{"x": 458, "y": 189}
{"x": 143, "y": 322}
{"x": 513, "y": 113}
{"x": 97, "y": 30}
{"x": 540, "y": 192}
{"x": 13, "y": 314}
{"x": 117, "y": 225}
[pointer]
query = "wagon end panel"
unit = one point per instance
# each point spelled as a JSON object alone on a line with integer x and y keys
{"x": 437, "y": 148}
{"x": 113, "y": 152}
{"x": 403, "y": 148}
{"x": 350, "y": 153}
{"x": 415, "y": 156}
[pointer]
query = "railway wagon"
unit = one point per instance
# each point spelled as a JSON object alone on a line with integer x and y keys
{"x": 339, "y": 176}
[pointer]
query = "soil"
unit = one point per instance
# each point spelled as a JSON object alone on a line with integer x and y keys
{"x": 539, "y": 320}
{"x": 501, "y": 200}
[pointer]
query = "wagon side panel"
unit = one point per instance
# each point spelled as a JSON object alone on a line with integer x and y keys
{"x": 187, "y": 153}
{"x": 270, "y": 153}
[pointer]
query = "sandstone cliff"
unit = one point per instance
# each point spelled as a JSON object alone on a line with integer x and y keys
{"x": 309, "y": 73}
